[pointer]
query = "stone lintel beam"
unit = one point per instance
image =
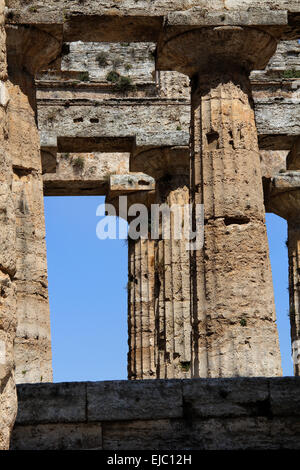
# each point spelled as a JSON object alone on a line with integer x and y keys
{"x": 77, "y": 125}
{"x": 84, "y": 174}
{"x": 293, "y": 158}
{"x": 288, "y": 181}
{"x": 122, "y": 122}
{"x": 277, "y": 121}
{"x": 283, "y": 195}
{"x": 89, "y": 21}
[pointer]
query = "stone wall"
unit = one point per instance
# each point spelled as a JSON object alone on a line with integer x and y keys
{"x": 238, "y": 413}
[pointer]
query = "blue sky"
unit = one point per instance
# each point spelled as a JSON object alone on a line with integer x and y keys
{"x": 88, "y": 297}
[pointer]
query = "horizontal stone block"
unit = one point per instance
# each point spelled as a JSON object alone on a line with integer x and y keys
{"x": 235, "y": 433}
{"x": 77, "y": 436}
{"x": 290, "y": 180}
{"x": 199, "y": 17}
{"x": 125, "y": 123}
{"x": 277, "y": 117}
{"x": 116, "y": 118}
{"x": 51, "y": 403}
{"x": 119, "y": 401}
{"x": 285, "y": 396}
{"x": 226, "y": 397}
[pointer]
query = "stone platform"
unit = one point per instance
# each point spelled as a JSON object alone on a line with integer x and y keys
{"x": 205, "y": 414}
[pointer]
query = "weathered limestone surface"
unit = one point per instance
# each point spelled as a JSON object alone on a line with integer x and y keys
{"x": 171, "y": 86}
{"x": 237, "y": 332}
{"x": 8, "y": 319}
{"x": 119, "y": 118}
{"x": 141, "y": 21}
{"x": 33, "y": 342}
{"x": 213, "y": 328}
{"x": 133, "y": 60}
{"x": 168, "y": 266}
{"x": 79, "y": 174}
{"x": 272, "y": 162}
{"x": 283, "y": 64}
{"x": 142, "y": 354}
{"x": 276, "y": 97}
{"x": 240, "y": 413}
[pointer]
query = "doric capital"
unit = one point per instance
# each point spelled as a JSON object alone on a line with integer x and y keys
{"x": 202, "y": 50}
{"x": 30, "y": 48}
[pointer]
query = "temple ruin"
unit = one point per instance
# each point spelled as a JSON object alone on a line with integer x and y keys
{"x": 167, "y": 102}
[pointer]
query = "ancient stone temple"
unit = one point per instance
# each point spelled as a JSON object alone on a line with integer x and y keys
{"x": 167, "y": 103}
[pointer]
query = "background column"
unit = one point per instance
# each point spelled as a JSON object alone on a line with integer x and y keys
{"x": 171, "y": 301}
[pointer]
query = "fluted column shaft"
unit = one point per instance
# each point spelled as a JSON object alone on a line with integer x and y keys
{"x": 234, "y": 292}
{"x": 232, "y": 283}
{"x": 33, "y": 341}
{"x": 142, "y": 355}
{"x": 294, "y": 289}
{"x": 160, "y": 275}
{"x": 172, "y": 287}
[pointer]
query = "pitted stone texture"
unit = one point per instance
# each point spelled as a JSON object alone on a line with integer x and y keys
{"x": 173, "y": 85}
{"x": 210, "y": 47}
{"x": 167, "y": 296}
{"x": 78, "y": 174}
{"x": 133, "y": 60}
{"x": 232, "y": 287}
{"x": 52, "y": 403}
{"x": 22, "y": 127}
{"x": 131, "y": 182}
{"x": 275, "y": 117}
{"x": 294, "y": 287}
{"x": 77, "y": 436}
{"x": 118, "y": 401}
{"x": 237, "y": 333}
{"x": 8, "y": 322}
{"x": 237, "y": 413}
{"x": 286, "y": 59}
{"x": 33, "y": 343}
{"x": 172, "y": 286}
{"x": 118, "y": 118}
{"x": 8, "y": 408}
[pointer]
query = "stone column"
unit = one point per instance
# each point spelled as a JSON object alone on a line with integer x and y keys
{"x": 283, "y": 199}
{"x": 141, "y": 313}
{"x": 232, "y": 282}
{"x": 140, "y": 286}
{"x": 8, "y": 323}
{"x": 167, "y": 286}
{"x": 294, "y": 287}
{"x": 28, "y": 51}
